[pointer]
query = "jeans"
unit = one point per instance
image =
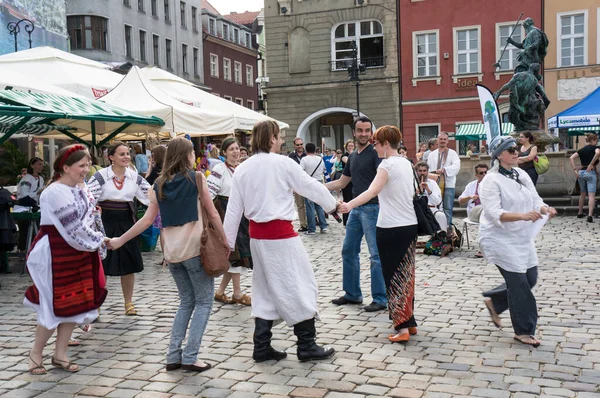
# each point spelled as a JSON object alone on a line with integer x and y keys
{"x": 196, "y": 294}
{"x": 362, "y": 221}
{"x": 310, "y": 216}
{"x": 448, "y": 203}
{"x": 517, "y": 296}
{"x": 587, "y": 181}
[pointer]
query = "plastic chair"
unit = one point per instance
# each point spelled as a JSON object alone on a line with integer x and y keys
{"x": 465, "y": 229}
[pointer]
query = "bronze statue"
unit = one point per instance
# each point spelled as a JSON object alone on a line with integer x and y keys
{"x": 534, "y": 46}
{"x": 528, "y": 100}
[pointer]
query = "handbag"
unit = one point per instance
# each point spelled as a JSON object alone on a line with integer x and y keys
{"x": 427, "y": 224}
{"x": 438, "y": 245}
{"x": 214, "y": 251}
{"x": 541, "y": 164}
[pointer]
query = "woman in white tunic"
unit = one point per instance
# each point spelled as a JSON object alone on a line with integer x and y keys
{"x": 510, "y": 205}
{"x": 64, "y": 262}
{"x": 28, "y": 195}
{"x": 283, "y": 282}
{"x": 219, "y": 184}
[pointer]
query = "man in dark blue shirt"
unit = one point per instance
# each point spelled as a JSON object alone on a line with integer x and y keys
{"x": 361, "y": 169}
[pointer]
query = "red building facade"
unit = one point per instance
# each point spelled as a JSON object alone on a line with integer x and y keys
{"x": 230, "y": 61}
{"x": 445, "y": 51}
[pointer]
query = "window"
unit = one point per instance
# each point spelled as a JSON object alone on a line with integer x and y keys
{"x": 141, "y": 6}
{"x": 426, "y": 54}
{"x": 572, "y": 43}
{"x": 249, "y": 75}
{"x": 368, "y": 37}
{"x": 143, "y": 46}
{"x": 128, "y": 41}
{"x": 212, "y": 26}
{"x": 237, "y": 72}
{"x": 168, "y": 54}
{"x": 467, "y": 54}
{"x": 184, "y": 66}
{"x": 226, "y": 31}
{"x": 248, "y": 40}
{"x": 154, "y": 8}
{"x": 427, "y": 132}
{"x": 214, "y": 65}
{"x": 156, "y": 50}
{"x": 182, "y": 14}
{"x": 127, "y": 3}
{"x": 239, "y": 101}
{"x": 228, "y": 98}
{"x": 227, "y": 69}
{"x": 87, "y": 32}
{"x": 236, "y": 35}
{"x": 194, "y": 19}
{"x": 250, "y": 104}
{"x": 167, "y": 11}
{"x": 195, "y": 55}
{"x": 509, "y": 59}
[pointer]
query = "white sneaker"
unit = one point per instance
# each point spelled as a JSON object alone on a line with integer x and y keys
{"x": 324, "y": 230}
{"x": 309, "y": 233}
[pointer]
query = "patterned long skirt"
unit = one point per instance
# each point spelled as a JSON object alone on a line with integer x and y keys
{"x": 397, "y": 253}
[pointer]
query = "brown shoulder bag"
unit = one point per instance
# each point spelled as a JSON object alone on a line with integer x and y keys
{"x": 214, "y": 252}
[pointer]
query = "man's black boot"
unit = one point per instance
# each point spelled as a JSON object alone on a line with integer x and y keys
{"x": 262, "y": 342}
{"x": 308, "y": 350}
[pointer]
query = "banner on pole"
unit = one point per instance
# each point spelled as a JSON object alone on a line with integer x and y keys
{"x": 490, "y": 112}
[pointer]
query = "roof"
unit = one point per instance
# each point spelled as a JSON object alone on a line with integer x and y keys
{"x": 209, "y": 7}
{"x": 476, "y": 131}
{"x": 243, "y": 18}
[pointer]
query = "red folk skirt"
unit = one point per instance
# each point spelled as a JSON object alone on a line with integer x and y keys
{"x": 78, "y": 280}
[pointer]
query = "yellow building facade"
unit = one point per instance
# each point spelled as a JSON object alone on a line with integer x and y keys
{"x": 572, "y": 65}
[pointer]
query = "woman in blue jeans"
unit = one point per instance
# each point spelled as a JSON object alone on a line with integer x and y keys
{"x": 176, "y": 195}
{"x": 586, "y": 174}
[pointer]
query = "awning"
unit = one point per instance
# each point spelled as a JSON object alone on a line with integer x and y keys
{"x": 585, "y": 113}
{"x": 583, "y": 130}
{"x": 476, "y": 131}
{"x": 80, "y": 119}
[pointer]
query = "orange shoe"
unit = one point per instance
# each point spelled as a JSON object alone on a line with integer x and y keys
{"x": 412, "y": 330}
{"x": 399, "y": 338}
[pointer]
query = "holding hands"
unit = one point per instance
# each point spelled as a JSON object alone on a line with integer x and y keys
{"x": 113, "y": 243}
{"x": 343, "y": 207}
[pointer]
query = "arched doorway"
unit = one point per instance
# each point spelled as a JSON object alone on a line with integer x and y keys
{"x": 331, "y": 126}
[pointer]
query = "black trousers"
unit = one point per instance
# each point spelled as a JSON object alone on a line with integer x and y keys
{"x": 516, "y": 295}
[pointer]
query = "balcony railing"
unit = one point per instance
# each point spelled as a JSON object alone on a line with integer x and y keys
{"x": 372, "y": 62}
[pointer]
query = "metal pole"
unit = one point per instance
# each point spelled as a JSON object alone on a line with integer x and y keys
{"x": 357, "y": 99}
{"x": 14, "y": 29}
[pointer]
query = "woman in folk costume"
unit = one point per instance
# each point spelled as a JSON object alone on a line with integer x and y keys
{"x": 283, "y": 282}
{"x": 219, "y": 185}
{"x": 64, "y": 261}
{"x": 176, "y": 194}
{"x": 115, "y": 187}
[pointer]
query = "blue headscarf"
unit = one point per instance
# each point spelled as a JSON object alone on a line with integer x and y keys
{"x": 500, "y": 144}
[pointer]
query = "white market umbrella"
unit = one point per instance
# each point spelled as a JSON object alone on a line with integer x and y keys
{"x": 186, "y": 92}
{"x": 71, "y": 72}
{"x": 10, "y": 79}
{"x": 138, "y": 94}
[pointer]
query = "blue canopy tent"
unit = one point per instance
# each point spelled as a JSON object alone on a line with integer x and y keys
{"x": 585, "y": 113}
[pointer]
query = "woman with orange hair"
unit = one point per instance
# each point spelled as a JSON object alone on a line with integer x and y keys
{"x": 396, "y": 229}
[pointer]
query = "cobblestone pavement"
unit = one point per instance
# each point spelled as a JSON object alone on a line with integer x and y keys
{"x": 457, "y": 352}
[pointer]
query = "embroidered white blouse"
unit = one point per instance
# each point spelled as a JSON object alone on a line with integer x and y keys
{"x": 30, "y": 186}
{"x": 220, "y": 181}
{"x": 509, "y": 245}
{"x": 135, "y": 186}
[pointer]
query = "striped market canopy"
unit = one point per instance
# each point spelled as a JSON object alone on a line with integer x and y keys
{"x": 583, "y": 130}
{"x": 476, "y": 131}
{"x": 86, "y": 121}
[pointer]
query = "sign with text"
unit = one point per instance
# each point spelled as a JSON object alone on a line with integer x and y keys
{"x": 466, "y": 84}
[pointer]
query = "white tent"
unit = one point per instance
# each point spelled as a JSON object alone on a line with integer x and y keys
{"x": 186, "y": 92}
{"x": 76, "y": 74}
{"x": 10, "y": 79}
{"x": 138, "y": 94}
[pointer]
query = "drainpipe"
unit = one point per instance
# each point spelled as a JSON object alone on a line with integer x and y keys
{"x": 399, "y": 45}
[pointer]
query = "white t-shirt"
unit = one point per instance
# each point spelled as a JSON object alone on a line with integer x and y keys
{"x": 396, "y": 198}
{"x": 309, "y": 163}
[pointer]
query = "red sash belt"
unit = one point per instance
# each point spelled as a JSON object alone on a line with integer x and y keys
{"x": 77, "y": 277}
{"x": 272, "y": 230}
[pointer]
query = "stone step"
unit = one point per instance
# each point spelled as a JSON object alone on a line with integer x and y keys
{"x": 553, "y": 201}
{"x": 562, "y": 210}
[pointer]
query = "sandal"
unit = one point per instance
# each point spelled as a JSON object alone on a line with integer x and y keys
{"x": 244, "y": 300}
{"x": 479, "y": 255}
{"x": 130, "y": 309}
{"x": 223, "y": 298}
{"x": 74, "y": 343}
{"x": 495, "y": 318}
{"x": 528, "y": 340}
{"x": 65, "y": 365}
{"x": 38, "y": 369}
{"x": 85, "y": 328}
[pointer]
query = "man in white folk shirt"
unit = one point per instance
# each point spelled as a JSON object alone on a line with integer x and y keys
{"x": 433, "y": 193}
{"x": 283, "y": 282}
{"x": 445, "y": 163}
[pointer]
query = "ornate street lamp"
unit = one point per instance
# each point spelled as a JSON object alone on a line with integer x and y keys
{"x": 14, "y": 29}
{"x": 354, "y": 71}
